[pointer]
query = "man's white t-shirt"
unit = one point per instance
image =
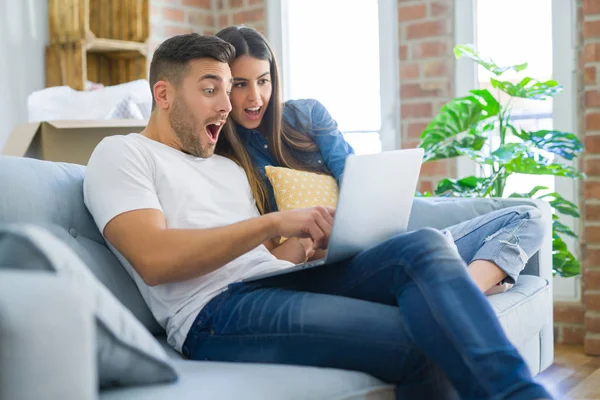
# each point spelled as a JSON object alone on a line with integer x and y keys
{"x": 134, "y": 172}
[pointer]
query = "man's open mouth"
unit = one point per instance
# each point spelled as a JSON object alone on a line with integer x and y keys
{"x": 212, "y": 130}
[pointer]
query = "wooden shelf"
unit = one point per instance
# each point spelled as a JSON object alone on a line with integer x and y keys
{"x": 74, "y": 20}
{"x": 97, "y": 45}
{"x": 103, "y": 41}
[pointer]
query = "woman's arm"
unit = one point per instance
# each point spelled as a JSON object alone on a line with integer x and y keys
{"x": 294, "y": 250}
{"x": 333, "y": 146}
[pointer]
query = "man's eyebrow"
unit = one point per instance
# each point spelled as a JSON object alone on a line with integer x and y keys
{"x": 246, "y": 80}
{"x": 211, "y": 77}
{"x": 214, "y": 78}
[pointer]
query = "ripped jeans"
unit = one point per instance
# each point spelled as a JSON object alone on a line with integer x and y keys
{"x": 405, "y": 311}
{"x": 506, "y": 237}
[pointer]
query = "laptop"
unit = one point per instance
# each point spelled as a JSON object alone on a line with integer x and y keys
{"x": 374, "y": 204}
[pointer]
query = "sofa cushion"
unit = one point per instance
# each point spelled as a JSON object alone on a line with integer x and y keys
{"x": 523, "y": 311}
{"x": 126, "y": 353}
{"x": 51, "y": 194}
{"x": 233, "y": 381}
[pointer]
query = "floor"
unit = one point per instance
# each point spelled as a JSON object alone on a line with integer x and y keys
{"x": 573, "y": 376}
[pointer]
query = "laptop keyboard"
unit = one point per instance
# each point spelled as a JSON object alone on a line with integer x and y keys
{"x": 313, "y": 263}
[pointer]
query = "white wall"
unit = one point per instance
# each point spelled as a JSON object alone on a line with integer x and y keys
{"x": 23, "y": 37}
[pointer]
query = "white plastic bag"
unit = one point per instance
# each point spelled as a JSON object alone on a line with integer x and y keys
{"x": 128, "y": 100}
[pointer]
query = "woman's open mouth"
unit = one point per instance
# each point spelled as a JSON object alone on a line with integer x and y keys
{"x": 253, "y": 113}
{"x": 212, "y": 131}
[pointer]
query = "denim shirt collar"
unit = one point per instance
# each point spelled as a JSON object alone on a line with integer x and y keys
{"x": 247, "y": 134}
{"x": 243, "y": 132}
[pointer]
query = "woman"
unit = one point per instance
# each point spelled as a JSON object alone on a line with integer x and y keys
{"x": 300, "y": 134}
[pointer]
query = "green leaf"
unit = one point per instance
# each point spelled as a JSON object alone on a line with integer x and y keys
{"x": 478, "y": 156}
{"x": 485, "y": 62}
{"x": 456, "y": 126}
{"x": 538, "y": 165}
{"x": 563, "y": 262}
{"x": 530, "y": 194}
{"x": 529, "y": 88}
{"x": 564, "y": 144}
{"x": 561, "y": 205}
{"x": 488, "y": 102}
{"x": 466, "y": 187}
{"x": 504, "y": 122}
{"x": 559, "y": 227}
{"x": 454, "y": 147}
{"x": 507, "y": 152}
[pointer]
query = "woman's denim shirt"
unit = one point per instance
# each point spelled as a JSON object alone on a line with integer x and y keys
{"x": 311, "y": 117}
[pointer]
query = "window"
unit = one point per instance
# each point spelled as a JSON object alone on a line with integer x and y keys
{"x": 339, "y": 61}
{"x": 498, "y": 29}
{"x": 513, "y": 46}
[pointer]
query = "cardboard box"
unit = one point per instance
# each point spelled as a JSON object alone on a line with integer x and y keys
{"x": 66, "y": 141}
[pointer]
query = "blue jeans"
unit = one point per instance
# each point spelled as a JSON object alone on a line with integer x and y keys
{"x": 405, "y": 311}
{"x": 507, "y": 237}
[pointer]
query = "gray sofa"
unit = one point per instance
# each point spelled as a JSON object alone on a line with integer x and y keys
{"x": 47, "y": 338}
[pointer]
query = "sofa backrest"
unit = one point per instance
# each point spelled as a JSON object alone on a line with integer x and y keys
{"x": 50, "y": 194}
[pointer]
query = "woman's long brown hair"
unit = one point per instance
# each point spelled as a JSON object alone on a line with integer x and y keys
{"x": 231, "y": 146}
{"x": 283, "y": 139}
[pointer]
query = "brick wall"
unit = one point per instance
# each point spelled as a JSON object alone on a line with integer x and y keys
{"x": 236, "y": 12}
{"x": 426, "y": 40}
{"x": 569, "y": 322}
{"x": 589, "y": 101}
{"x": 174, "y": 17}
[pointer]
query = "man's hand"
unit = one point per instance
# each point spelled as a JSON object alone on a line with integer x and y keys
{"x": 314, "y": 223}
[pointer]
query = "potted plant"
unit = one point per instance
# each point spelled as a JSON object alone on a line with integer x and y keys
{"x": 465, "y": 127}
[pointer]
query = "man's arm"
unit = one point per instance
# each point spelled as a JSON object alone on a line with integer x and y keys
{"x": 162, "y": 255}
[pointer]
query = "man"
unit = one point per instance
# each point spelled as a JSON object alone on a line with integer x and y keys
{"x": 180, "y": 209}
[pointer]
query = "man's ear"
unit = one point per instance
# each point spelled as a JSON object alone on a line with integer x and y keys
{"x": 161, "y": 93}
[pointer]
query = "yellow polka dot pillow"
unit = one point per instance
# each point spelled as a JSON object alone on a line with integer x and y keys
{"x": 300, "y": 189}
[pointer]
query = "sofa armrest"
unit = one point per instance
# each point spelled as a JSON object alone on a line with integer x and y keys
{"x": 441, "y": 212}
{"x": 47, "y": 339}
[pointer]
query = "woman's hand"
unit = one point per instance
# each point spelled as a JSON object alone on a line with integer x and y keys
{"x": 295, "y": 250}
{"x": 311, "y": 252}
{"x": 308, "y": 245}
